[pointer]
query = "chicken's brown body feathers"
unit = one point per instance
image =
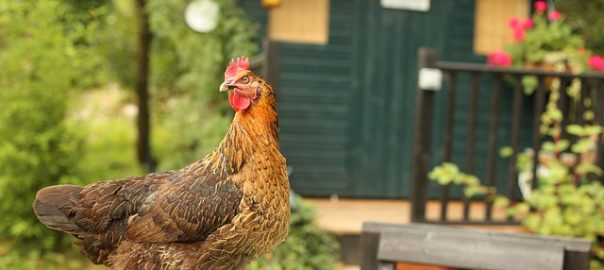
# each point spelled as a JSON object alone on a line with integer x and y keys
{"x": 218, "y": 213}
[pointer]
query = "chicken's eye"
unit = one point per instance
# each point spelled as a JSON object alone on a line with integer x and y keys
{"x": 245, "y": 79}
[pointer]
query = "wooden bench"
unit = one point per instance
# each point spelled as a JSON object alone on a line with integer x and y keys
{"x": 428, "y": 246}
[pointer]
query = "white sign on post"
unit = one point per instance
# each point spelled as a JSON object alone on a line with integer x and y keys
{"x": 419, "y": 5}
{"x": 430, "y": 79}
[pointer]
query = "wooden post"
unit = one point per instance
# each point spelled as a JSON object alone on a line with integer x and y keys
{"x": 143, "y": 123}
{"x": 471, "y": 139}
{"x": 422, "y": 140}
{"x": 448, "y": 141}
{"x": 515, "y": 140}
{"x": 272, "y": 63}
{"x": 491, "y": 165}
{"x": 600, "y": 121}
{"x": 369, "y": 247}
{"x": 539, "y": 108}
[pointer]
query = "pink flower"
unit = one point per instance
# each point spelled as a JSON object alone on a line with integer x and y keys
{"x": 527, "y": 24}
{"x": 554, "y": 15}
{"x": 596, "y": 62}
{"x": 499, "y": 59}
{"x": 540, "y": 6}
{"x": 514, "y": 23}
{"x": 519, "y": 35}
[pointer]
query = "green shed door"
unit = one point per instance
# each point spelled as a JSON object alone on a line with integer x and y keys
{"x": 346, "y": 108}
{"x": 386, "y": 54}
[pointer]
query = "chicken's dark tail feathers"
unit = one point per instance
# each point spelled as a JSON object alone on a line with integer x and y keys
{"x": 54, "y": 207}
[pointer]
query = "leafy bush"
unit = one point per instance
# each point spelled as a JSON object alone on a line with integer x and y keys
{"x": 186, "y": 69}
{"x": 306, "y": 246}
{"x": 42, "y": 56}
{"x": 199, "y": 132}
{"x": 105, "y": 119}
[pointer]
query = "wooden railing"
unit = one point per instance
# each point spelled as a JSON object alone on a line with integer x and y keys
{"x": 592, "y": 86}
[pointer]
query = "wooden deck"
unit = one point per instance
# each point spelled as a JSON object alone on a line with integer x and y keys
{"x": 346, "y": 216}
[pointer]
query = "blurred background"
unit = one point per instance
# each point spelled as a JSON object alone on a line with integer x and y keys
{"x": 93, "y": 90}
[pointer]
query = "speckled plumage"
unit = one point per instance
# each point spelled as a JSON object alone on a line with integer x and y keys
{"x": 218, "y": 213}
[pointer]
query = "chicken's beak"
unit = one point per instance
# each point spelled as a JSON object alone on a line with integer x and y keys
{"x": 225, "y": 86}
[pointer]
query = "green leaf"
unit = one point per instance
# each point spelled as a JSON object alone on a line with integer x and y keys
{"x": 501, "y": 201}
{"x": 471, "y": 180}
{"x": 521, "y": 209}
{"x": 471, "y": 191}
{"x": 444, "y": 174}
{"x": 572, "y": 217}
{"x": 585, "y": 168}
{"x": 548, "y": 146}
{"x": 555, "y": 114}
{"x": 532, "y": 222}
{"x": 529, "y": 84}
{"x": 575, "y": 130}
{"x": 558, "y": 173}
{"x": 552, "y": 217}
{"x": 582, "y": 146}
{"x": 562, "y": 145}
{"x": 506, "y": 151}
{"x": 547, "y": 201}
{"x": 592, "y": 130}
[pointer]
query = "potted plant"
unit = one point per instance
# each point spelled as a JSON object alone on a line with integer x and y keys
{"x": 543, "y": 42}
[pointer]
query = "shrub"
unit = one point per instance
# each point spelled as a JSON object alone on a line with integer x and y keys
{"x": 567, "y": 201}
{"x": 41, "y": 56}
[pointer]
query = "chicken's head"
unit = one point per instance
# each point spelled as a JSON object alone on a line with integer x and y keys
{"x": 243, "y": 86}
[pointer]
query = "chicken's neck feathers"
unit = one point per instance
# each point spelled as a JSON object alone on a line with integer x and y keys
{"x": 252, "y": 132}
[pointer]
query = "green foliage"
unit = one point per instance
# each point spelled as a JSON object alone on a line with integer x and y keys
{"x": 306, "y": 246}
{"x": 117, "y": 44}
{"x": 42, "y": 51}
{"x": 566, "y": 202}
{"x": 199, "y": 132}
{"x": 187, "y": 69}
{"x": 586, "y": 17}
{"x": 67, "y": 260}
{"x": 105, "y": 118}
{"x": 200, "y": 57}
{"x": 560, "y": 205}
{"x": 545, "y": 38}
{"x": 547, "y": 41}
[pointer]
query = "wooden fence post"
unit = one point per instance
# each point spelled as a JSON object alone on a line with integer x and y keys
{"x": 368, "y": 249}
{"x": 599, "y": 110}
{"x": 272, "y": 62}
{"x": 422, "y": 140}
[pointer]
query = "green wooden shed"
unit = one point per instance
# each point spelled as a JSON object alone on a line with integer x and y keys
{"x": 346, "y": 104}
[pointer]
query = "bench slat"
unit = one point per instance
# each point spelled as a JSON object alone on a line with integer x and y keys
{"x": 382, "y": 244}
{"x": 468, "y": 251}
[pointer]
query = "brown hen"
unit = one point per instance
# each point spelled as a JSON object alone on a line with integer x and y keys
{"x": 218, "y": 213}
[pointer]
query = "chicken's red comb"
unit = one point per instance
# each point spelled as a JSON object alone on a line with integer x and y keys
{"x": 242, "y": 63}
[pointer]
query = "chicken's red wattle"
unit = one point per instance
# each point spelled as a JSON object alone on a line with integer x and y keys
{"x": 239, "y": 102}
